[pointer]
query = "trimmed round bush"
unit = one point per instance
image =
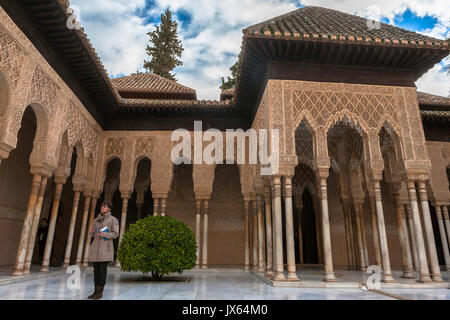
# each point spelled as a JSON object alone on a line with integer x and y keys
{"x": 160, "y": 245}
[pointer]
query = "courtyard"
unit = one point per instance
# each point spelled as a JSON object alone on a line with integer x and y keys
{"x": 212, "y": 284}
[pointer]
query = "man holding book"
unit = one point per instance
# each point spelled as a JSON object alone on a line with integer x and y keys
{"x": 105, "y": 228}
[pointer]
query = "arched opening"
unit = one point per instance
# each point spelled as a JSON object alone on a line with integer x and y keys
{"x": 226, "y": 235}
{"x": 141, "y": 202}
{"x": 308, "y": 224}
{"x": 15, "y": 184}
{"x": 181, "y": 198}
{"x": 111, "y": 192}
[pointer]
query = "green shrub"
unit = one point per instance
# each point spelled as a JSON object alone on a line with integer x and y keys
{"x": 160, "y": 245}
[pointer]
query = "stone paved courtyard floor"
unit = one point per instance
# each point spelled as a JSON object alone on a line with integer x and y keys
{"x": 214, "y": 284}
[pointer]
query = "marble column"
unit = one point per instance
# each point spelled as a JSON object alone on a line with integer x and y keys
{"x": 198, "y": 230}
{"x": 407, "y": 274}
{"x": 443, "y": 237}
{"x": 87, "y": 244}
{"x": 359, "y": 237}
{"x": 347, "y": 235}
{"x": 326, "y": 235}
{"x": 414, "y": 252}
{"x": 290, "y": 247}
{"x": 373, "y": 219}
{"x": 205, "y": 235}
{"x": 447, "y": 222}
{"x": 123, "y": 219}
{"x": 76, "y": 200}
{"x": 26, "y": 228}
{"x": 364, "y": 237}
{"x": 255, "y": 235}
{"x": 34, "y": 226}
{"x": 300, "y": 234}
{"x": 52, "y": 225}
{"x": 163, "y": 206}
{"x": 387, "y": 274}
{"x": 87, "y": 203}
{"x": 247, "y": 236}
{"x": 318, "y": 218}
{"x": 155, "y": 206}
{"x": 278, "y": 231}
{"x": 268, "y": 210}
{"x": 353, "y": 238}
{"x": 420, "y": 243}
{"x": 428, "y": 226}
{"x": 408, "y": 243}
{"x": 261, "y": 242}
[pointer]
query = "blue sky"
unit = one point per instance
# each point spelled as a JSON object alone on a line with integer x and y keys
{"x": 211, "y": 32}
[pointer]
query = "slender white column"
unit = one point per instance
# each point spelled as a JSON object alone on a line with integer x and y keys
{"x": 443, "y": 237}
{"x": 326, "y": 235}
{"x": 88, "y": 238}
{"x": 376, "y": 241}
{"x": 278, "y": 232}
{"x": 359, "y": 237}
{"x": 428, "y": 226}
{"x": 420, "y": 243}
{"x": 269, "y": 253}
{"x": 51, "y": 228}
{"x": 447, "y": 222}
{"x": 408, "y": 243}
{"x": 163, "y": 207}
{"x": 255, "y": 235}
{"x": 123, "y": 221}
{"x": 300, "y": 234}
{"x": 290, "y": 247}
{"x": 387, "y": 275}
{"x": 412, "y": 233}
{"x": 261, "y": 262}
{"x": 155, "y": 207}
{"x": 205, "y": 235}
{"x": 198, "y": 230}
{"x": 87, "y": 202}
{"x": 76, "y": 200}
{"x": 34, "y": 226}
{"x": 407, "y": 274}
{"x": 347, "y": 235}
{"x": 353, "y": 240}
{"x": 363, "y": 233}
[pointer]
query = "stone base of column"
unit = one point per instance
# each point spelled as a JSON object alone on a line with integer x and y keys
{"x": 261, "y": 269}
{"x": 387, "y": 278}
{"x": 436, "y": 278}
{"x": 329, "y": 277}
{"x": 78, "y": 263}
{"x": 247, "y": 267}
{"x": 292, "y": 277}
{"x": 117, "y": 264}
{"x": 279, "y": 276}
{"x": 44, "y": 269}
{"x": 424, "y": 279}
{"x": 268, "y": 274}
{"x": 204, "y": 267}
{"x": 26, "y": 272}
{"x": 408, "y": 275}
{"x": 85, "y": 265}
{"x": 65, "y": 265}
{"x": 17, "y": 273}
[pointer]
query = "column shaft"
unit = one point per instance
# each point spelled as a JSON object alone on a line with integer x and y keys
{"x": 87, "y": 203}
{"x": 364, "y": 238}
{"x": 434, "y": 262}
{"x": 420, "y": 243}
{"x": 88, "y": 238}
{"x": 163, "y": 207}
{"x": 73, "y": 219}
{"x": 408, "y": 243}
{"x": 198, "y": 230}
{"x": 51, "y": 228}
{"x": 155, "y": 207}
{"x": 443, "y": 237}
{"x": 387, "y": 275}
{"x": 446, "y": 222}
{"x": 347, "y": 236}
{"x": 34, "y": 226}
{"x": 402, "y": 239}
{"x": 414, "y": 252}
{"x": 290, "y": 247}
{"x": 123, "y": 223}
{"x": 326, "y": 235}
{"x": 359, "y": 237}
{"x": 255, "y": 235}
{"x": 247, "y": 236}
{"x": 205, "y": 235}
{"x": 376, "y": 241}
{"x": 269, "y": 253}
{"x": 278, "y": 231}
{"x": 261, "y": 262}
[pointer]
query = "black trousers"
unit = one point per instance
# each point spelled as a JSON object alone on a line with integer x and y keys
{"x": 100, "y": 272}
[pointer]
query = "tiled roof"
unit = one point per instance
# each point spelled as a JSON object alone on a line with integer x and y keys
{"x": 149, "y": 82}
{"x": 432, "y": 100}
{"x": 317, "y": 23}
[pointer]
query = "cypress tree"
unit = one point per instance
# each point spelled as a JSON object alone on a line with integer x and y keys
{"x": 165, "y": 48}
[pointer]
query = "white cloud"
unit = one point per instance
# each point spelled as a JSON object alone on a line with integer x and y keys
{"x": 214, "y": 36}
{"x": 435, "y": 81}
